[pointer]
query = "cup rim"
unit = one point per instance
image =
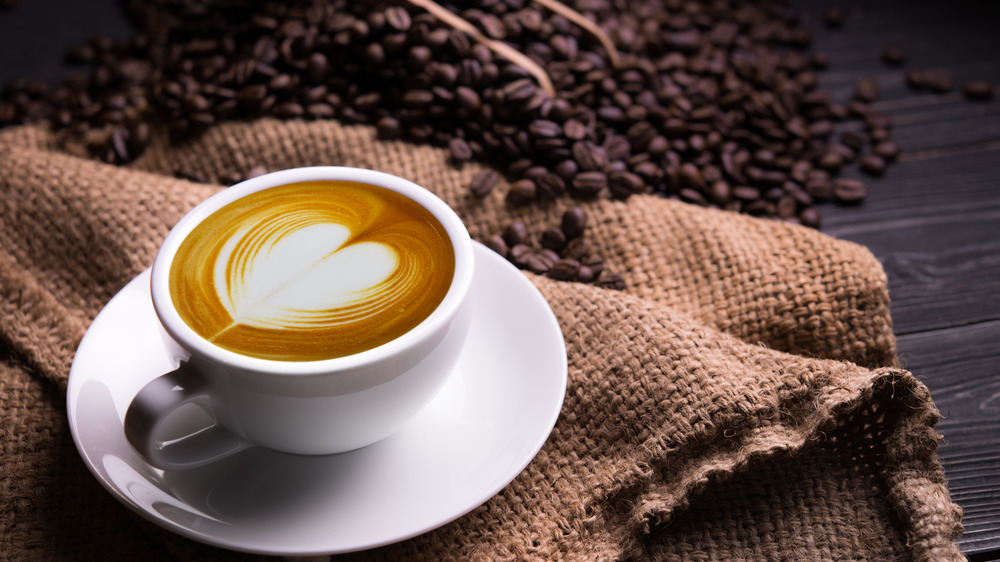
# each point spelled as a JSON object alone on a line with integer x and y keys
{"x": 191, "y": 341}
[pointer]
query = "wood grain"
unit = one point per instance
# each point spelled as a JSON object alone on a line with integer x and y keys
{"x": 934, "y": 223}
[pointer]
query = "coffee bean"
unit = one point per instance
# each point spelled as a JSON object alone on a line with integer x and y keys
{"x": 483, "y": 183}
{"x": 810, "y": 217}
{"x": 939, "y": 81}
{"x": 830, "y": 161}
{"x": 515, "y": 233}
{"x": 849, "y": 192}
{"x": 397, "y": 18}
{"x": 550, "y": 185}
{"x": 978, "y": 90}
{"x": 819, "y": 189}
{"x": 497, "y": 244}
{"x": 893, "y": 56}
{"x": 522, "y": 192}
{"x": 915, "y": 79}
{"x": 565, "y": 270}
{"x": 833, "y": 17}
{"x": 689, "y": 117}
{"x": 866, "y": 90}
{"x": 573, "y": 222}
{"x": 539, "y": 262}
{"x": 853, "y": 139}
{"x": 624, "y": 184}
{"x": 876, "y": 136}
{"x": 389, "y": 128}
{"x": 554, "y": 239}
{"x": 878, "y": 121}
{"x": 888, "y": 150}
{"x": 590, "y": 156}
{"x": 612, "y": 281}
{"x": 589, "y": 184}
{"x": 576, "y": 249}
{"x": 575, "y": 129}
{"x": 872, "y": 164}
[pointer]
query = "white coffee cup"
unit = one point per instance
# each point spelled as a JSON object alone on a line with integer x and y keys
{"x": 298, "y": 406}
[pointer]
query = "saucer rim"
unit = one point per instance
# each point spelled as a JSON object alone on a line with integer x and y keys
{"x": 215, "y": 540}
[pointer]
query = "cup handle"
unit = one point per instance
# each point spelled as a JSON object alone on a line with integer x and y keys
{"x": 153, "y": 405}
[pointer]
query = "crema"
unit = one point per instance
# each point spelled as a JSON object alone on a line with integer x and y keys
{"x": 313, "y": 270}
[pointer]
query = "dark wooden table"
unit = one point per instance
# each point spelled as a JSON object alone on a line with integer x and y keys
{"x": 933, "y": 220}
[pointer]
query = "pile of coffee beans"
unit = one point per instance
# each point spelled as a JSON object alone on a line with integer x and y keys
{"x": 714, "y": 103}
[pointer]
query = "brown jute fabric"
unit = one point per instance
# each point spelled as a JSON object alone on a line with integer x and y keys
{"x": 741, "y": 399}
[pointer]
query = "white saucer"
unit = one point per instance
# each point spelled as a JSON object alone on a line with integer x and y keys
{"x": 489, "y": 421}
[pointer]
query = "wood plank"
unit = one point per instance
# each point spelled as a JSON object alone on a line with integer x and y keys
{"x": 934, "y": 222}
{"x": 935, "y": 227}
{"x": 960, "y": 367}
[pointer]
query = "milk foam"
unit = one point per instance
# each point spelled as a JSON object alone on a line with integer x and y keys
{"x": 297, "y": 276}
{"x": 312, "y": 271}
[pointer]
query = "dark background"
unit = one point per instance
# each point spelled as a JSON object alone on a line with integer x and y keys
{"x": 933, "y": 220}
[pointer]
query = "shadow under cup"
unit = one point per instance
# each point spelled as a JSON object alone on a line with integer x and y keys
{"x": 301, "y": 404}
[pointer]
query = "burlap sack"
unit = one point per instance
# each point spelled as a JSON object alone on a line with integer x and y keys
{"x": 739, "y": 400}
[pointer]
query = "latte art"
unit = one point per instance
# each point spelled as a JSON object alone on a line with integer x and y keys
{"x": 313, "y": 270}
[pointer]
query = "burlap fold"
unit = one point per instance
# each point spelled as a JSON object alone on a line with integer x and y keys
{"x": 741, "y": 399}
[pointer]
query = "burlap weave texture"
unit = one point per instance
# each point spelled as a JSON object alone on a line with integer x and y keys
{"x": 741, "y": 399}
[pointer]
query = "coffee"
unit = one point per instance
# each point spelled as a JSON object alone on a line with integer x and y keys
{"x": 312, "y": 270}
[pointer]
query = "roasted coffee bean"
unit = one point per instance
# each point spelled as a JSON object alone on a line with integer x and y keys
{"x": 978, "y": 90}
{"x": 544, "y": 129}
{"x": 497, "y": 244}
{"x": 589, "y": 184}
{"x": 866, "y": 90}
{"x": 853, "y": 139}
{"x": 888, "y": 150}
{"x": 550, "y": 185}
{"x": 876, "y": 136}
{"x": 459, "y": 150}
{"x": 939, "y": 81}
{"x": 522, "y": 192}
{"x": 190, "y": 175}
{"x": 585, "y": 274}
{"x": 397, "y": 18}
{"x": 833, "y": 17}
{"x": 746, "y": 193}
{"x": 623, "y": 184}
{"x": 565, "y": 270}
{"x": 575, "y": 130}
{"x": 878, "y": 121}
{"x": 915, "y": 79}
{"x": 389, "y": 128}
{"x": 720, "y": 193}
{"x": 690, "y": 117}
{"x": 690, "y": 176}
{"x": 872, "y": 164}
{"x": 819, "y": 190}
{"x": 576, "y": 249}
{"x": 830, "y": 161}
{"x": 846, "y": 153}
{"x": 539, "y": 262}
{"x": 893, "y": 56}
{"x": 573, "y": 222}
{"x": 483, "y": 183}
{"x": 611, "y": 281}
{"x": 589, "y": 156}
{"x": 810, "y": 217}
{"x": 849, "y": 192}
{"x": 554, "y": 239}
{"x": 515, "y": 233}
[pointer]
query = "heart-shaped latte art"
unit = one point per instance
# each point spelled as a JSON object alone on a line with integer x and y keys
{"x": 287, "y": 277}
{"x": 311, "y": 271}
